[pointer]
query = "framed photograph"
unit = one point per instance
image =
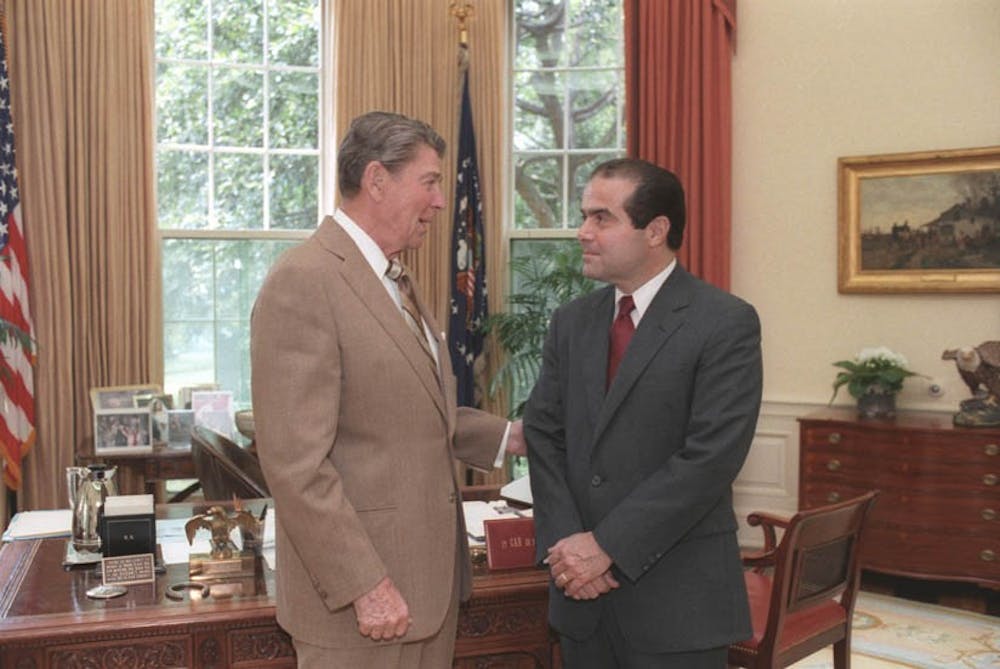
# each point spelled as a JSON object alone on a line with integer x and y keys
{"x": 119, "y": 431}
{"x": 214, "y": 409}
{"x": 179, "y": 425}
{"x": 925, "y": 222}
{"x": 119, "y": 397}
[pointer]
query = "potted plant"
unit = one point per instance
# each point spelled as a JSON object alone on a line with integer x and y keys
{"x": 873, "y": 378}
{"x": 542, "y": 281}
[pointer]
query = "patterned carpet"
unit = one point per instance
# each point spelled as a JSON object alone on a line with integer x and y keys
{"x": 890, "y": 632}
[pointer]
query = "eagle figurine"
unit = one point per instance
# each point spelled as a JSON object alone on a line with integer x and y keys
{"x": 979, "y": 367}
{"x": 220, "y": 524}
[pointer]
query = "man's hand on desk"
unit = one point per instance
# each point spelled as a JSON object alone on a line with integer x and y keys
{"x": 382, "y": 612}
{"x": 515, "y": 439}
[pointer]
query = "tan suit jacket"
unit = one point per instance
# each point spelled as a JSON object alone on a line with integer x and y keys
{"x": 356, "y": 439}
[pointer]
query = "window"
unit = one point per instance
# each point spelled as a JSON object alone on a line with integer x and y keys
{"x": 568, "y": 116}
{"x": 238, "y": 170}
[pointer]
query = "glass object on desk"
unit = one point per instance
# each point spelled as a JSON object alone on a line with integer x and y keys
{"x": 88, "y": 487}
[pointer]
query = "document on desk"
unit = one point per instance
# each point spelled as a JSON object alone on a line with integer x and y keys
{"x": 39, "y": 524}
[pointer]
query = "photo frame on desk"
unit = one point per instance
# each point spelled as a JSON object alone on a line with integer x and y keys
{"x": 214, "y": 409}
{"x": 110, "y": 398}
{"x": 926, "y": 222}
{"x": 120, "y": 431}
{"x": 180, "y": 423}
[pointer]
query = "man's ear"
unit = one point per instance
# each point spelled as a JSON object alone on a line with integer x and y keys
{"x": 656, "y": 231}
{"x": 373, "y": 179}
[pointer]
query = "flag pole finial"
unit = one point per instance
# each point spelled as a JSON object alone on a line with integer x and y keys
{"x": 462, "y": 11}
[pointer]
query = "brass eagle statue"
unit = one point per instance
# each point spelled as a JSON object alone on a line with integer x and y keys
{"x": 221, "y": 523}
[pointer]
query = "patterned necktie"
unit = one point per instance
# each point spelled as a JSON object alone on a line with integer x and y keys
{"x": 411, "y": 313}
{"x": 621, "y": 334}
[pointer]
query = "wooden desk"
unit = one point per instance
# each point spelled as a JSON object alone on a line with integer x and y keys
{"x": 46, "y": 620}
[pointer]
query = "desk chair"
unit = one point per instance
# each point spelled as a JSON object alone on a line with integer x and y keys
{"x": 793, "y": 585}
{"x": 224, "y": 468}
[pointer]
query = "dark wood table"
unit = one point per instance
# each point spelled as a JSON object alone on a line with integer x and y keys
{"x": 46, "y": 620}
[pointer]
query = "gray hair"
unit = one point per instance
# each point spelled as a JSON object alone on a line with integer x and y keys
{"x": 391, "y": 139}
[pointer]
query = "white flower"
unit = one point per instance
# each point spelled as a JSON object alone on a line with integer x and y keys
{"x": 883, "y": 355}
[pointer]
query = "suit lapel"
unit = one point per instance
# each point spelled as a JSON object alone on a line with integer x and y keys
{"x": 661, "y": 320}
{"x": 595, "y": 343}
{"x": 358, "y": 274}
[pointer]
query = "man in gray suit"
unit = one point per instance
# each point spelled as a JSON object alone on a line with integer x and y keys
{"x": 639, "y": 423}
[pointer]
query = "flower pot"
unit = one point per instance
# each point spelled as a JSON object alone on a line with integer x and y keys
{"x": 877, "y": 402}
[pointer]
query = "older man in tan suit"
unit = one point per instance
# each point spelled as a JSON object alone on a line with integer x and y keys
{"x": 356, "y": 424}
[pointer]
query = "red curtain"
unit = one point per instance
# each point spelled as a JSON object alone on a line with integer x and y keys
{"x": 678, "y": 109}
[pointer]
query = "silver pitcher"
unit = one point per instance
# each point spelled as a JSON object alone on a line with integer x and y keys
{"x": 88, "y": 487}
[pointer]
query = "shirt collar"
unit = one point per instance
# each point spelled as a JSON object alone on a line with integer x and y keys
{"x": 369, "y": 249}
{"x": 644, "y": 294}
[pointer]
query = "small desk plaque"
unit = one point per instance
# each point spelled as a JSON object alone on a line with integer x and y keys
{"x": 510, "y": 543}
{"x": 128, "y": 569}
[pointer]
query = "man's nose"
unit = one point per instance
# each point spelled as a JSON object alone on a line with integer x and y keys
{"x": 438, "y": 201}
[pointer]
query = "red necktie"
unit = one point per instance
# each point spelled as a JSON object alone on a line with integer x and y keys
{"x": 621, "y": 334}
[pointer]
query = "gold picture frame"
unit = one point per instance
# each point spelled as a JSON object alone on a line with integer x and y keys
{"x": 120, "y": 397}
{"x": 925, "y": 222}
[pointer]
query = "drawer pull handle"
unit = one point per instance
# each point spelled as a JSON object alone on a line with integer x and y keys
{"x": 990, "y": 479}
{"x": 833, "y": 497}
{"x": 833, "y": 465}
{"x": 991, "y": 449}
{"x": 988, "y": 514}
{"x": 987, "y": 555}
{"x": 834, "y": 438}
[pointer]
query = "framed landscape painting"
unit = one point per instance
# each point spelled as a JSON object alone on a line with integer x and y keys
{"x": 925, "y": 222}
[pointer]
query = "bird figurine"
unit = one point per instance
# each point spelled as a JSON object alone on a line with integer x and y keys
{"x": 220, "y": 524}
{"x": 979, "y": 367}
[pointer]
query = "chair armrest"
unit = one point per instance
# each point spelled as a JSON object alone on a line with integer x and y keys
{"x": 767, "y": 523}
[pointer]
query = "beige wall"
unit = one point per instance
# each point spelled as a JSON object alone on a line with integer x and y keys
{"x": 817, "y": 79}
{"x": 814, "y": 80}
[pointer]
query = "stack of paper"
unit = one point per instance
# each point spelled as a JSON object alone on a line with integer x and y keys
{"x": 39, "y": 524}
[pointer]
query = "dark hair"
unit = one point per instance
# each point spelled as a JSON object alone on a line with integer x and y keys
{"x": 658, "y": 192}
{"x": 391, "y": 139}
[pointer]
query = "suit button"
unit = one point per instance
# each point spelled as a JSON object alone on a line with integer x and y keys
{"x": 596, "y": 481}
{"x": 453, "y": 497}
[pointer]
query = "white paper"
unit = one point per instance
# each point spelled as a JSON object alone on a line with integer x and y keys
{"x": 476, "y": 512}
{"x": 36, "y": 524}
{"x": 518, "y": 490}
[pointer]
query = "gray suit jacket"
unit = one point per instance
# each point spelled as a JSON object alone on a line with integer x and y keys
{"x": 356, "y": 439}
{"x": 649, "y": 465}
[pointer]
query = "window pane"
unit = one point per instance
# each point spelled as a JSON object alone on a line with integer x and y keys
{"x": 237, "y": 30}
{"x": 239, "y": 191}
{"x": 540, "y": 25}
{"x": 539, "y": 197}
{"x": 294, "y": 192}
{"x": 538, "y": 110}
{"x": 238, "y": 107}
{"x": 233, "y": 359}
{"x": 294, "y": 110}
{"x": 182, "y": 29}
{"x": 293, "y": 27}
{"x": 188, "y": 280}
{"x": 594, "y": 33}
{"x": 594, "y": 109}
{"x": 182, "y": 189}
{"x": 182, "y": 104}
{"x": 188, "y": 355}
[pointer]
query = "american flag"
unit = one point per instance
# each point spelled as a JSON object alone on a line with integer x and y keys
{"x": 468, "y": 261}
{"x": 17, "y": 391}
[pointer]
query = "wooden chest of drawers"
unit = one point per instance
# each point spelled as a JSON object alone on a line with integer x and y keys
{"x": 938, "y": 516}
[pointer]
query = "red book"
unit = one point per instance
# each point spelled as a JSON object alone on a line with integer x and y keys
{"x": 510, "y": 542}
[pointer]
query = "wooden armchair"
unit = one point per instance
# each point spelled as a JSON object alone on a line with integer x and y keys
{"x": 794, "y": 585}
{"x": 224, "y": 468}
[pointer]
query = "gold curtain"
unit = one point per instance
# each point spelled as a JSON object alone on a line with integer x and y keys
{"x": 402, "y": 56}
{"x": 82, "y": 91}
